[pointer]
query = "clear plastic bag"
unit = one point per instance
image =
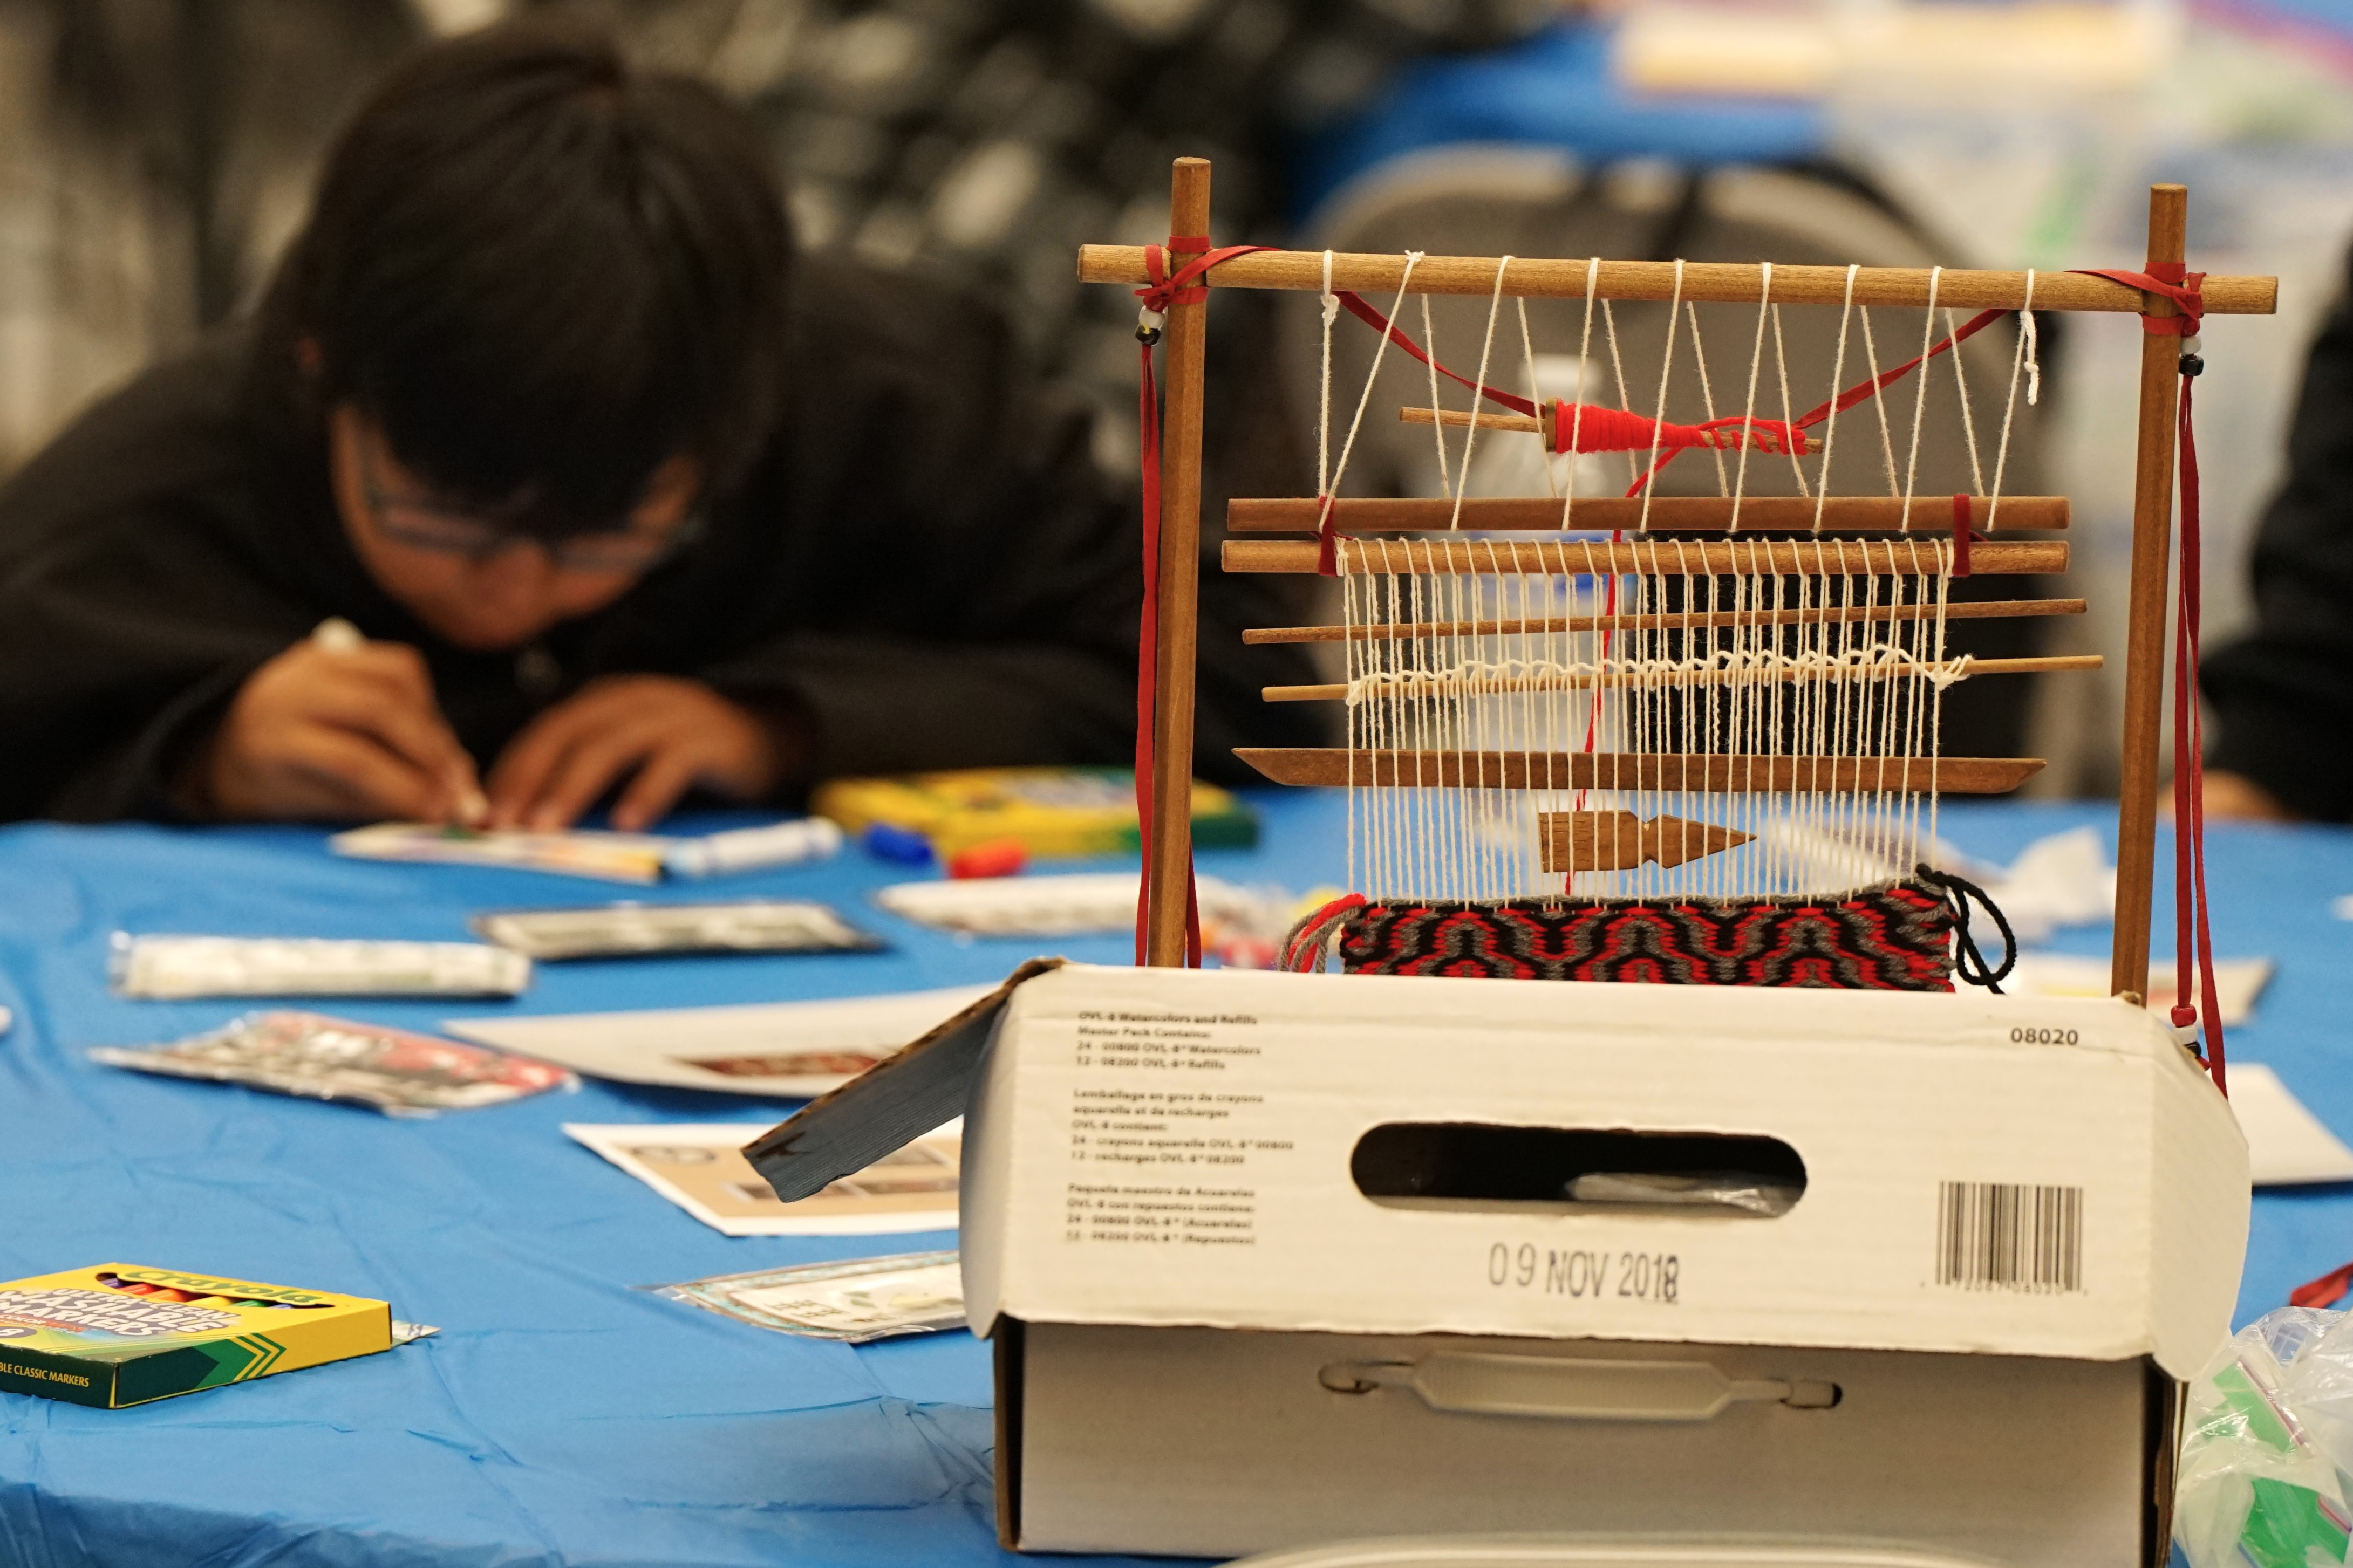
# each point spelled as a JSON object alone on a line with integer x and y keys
{"x": 2263, "y": 1480}
{"x": 1767, "y": 1197}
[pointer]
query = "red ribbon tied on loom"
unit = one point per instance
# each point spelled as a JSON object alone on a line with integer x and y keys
{"x": 2193, "y": 928}
{"x": 1593, "y": 427}
{"x": 1183, "y": 287}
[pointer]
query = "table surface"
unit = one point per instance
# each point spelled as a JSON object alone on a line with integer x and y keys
{"x": 563, "y": 1416}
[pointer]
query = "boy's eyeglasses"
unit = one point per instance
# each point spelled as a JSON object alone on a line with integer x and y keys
{"x": 428, "y": 525}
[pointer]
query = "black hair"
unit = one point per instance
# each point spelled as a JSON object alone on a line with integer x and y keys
{"x": 544, "y": 273}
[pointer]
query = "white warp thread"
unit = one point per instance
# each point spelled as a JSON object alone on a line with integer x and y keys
{"x": 1845, "y": 667}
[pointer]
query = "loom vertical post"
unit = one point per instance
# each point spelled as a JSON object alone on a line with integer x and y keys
{"x": 1169, "y": 835}
{"x": 2152, "y": 550}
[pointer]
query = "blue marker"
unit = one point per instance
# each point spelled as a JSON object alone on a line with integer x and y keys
{"x": 904, "y": 844}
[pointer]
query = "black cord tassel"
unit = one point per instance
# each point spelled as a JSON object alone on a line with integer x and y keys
{"x": 1968, "y": 962}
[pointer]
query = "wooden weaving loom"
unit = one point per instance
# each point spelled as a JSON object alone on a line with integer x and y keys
{"x": 1621, "y": 735}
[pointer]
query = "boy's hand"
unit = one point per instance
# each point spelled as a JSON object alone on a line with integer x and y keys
{"x": 672, "y": 734}
{"x": 339, "y": 733}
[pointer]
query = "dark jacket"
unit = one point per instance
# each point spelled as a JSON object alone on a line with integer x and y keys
{"x": 923, "y": 557}
{"x": 2283, "y": 696}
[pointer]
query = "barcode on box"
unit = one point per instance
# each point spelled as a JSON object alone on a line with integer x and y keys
{"x": 2000, "y": 1235}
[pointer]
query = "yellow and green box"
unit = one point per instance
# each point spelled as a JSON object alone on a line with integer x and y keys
{"x": 1053, "y": 812}
{"x": 90, "y": 1336}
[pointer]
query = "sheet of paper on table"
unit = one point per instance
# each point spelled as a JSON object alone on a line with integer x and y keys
{"x": 793, "y": 1050}
{"x": 699, "y": 1166}
{"x": 2287, "y": 1146}
{"x": 2238, "y": 981}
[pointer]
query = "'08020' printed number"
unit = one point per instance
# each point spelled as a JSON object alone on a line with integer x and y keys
{"x": 2033, "y": 1037}
{"x": 1655, "y": 1277}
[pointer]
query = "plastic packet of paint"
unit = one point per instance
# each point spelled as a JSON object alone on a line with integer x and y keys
{"x": 2268, "y": 1441}
{"x": 184, "y": 966}
{"x": 314, "y": 1057}
{"x": 1064, "y": 904}
{"x": 753, "y": 848}
{"x": 630, "y": 930}
{"x": 857, "y": 1300}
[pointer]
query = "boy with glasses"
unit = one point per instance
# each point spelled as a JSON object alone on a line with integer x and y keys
{"x": 601, "y": 492}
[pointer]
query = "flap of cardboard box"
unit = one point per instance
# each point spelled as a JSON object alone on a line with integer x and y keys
{"x": 1405, "y": 1155}
{"x": 887, "y": 1107}
{"x": 1377, "y": 1154}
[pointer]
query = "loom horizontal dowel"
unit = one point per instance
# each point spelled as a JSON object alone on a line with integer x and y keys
{"x": 1456, "y": 418}
{"x": 1728, "y": 439}
{"x": 1710, "y": 558}
{"x": 1959, "y": 610}
{"x": 1334, "y": 765}
{"x": 1669, "y": 514}
{"x": 1958, "y": 288}
{"x": 1670, "y": 681}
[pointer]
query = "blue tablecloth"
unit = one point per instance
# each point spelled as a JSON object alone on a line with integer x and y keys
{"x": 561, "y": 1416}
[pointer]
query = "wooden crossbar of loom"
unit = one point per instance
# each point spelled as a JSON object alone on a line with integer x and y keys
{"x": 1708, "y": 558}
{"x": 1962, "y": 669}
{"x": 1713, "y": 773}
{"x": 1669, "y": 620}
{"x": 1928, "y": 515}
{"x": 1736, "y": 283}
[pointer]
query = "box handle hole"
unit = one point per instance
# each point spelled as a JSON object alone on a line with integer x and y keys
{"x": 1477, "y": 1165}
{"x": 1570, "y": 1388}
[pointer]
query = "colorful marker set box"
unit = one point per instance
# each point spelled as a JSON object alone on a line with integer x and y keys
{"x": 1052, "y": 812}
{"x": 118, "y": 1334}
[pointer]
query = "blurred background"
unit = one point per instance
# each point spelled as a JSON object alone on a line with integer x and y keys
{"x": 155, "y": 154}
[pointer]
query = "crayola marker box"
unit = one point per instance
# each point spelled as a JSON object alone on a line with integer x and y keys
{"x": 1054, "y": 812}
{"x": 118, "y": 1334}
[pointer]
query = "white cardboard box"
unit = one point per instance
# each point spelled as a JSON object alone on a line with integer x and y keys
{"x": 1272, "y": 1258}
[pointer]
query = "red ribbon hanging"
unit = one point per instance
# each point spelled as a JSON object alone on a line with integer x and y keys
{"x": 1182, "y": 288}
{"x": 2193, "y": 935}
{"x": 2193, "y": 928}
